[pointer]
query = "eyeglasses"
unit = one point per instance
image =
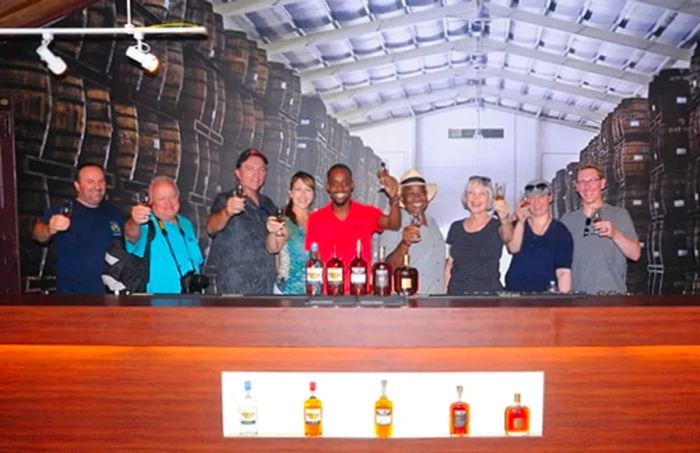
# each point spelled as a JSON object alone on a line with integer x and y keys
{"x": 588, "y": 182}
{"x": 483, "y": 179}
{"x": 541, "y": 187}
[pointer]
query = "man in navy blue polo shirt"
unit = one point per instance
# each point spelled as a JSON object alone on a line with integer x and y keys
{"x": 81, "y": 235}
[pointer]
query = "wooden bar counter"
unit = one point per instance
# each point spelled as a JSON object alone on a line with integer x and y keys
{"x": 622, "y": 373}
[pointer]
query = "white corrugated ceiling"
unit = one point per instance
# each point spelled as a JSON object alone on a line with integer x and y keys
{"x": 570, "y": 61}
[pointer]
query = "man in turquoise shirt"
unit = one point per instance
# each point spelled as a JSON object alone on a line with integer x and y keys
{"x": 174, "y": 248}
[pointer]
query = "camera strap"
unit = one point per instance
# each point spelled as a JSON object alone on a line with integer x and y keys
{"x": 161, "y": 225}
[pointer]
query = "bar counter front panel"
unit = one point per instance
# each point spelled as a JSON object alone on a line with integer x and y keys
{"x": 114, "y": 373}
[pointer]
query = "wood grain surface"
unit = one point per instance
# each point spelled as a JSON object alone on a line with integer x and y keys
{"x": 616, "y": 379}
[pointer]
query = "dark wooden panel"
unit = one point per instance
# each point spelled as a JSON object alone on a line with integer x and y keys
{"x": 165, "y": 399}
{"x": 32, "y": 13}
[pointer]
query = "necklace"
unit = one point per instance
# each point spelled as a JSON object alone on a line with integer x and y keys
{"x": 540, "y": 231}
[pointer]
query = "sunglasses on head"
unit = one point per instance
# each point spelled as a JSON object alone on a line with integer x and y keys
{"x": 484, "y": 179}
{"x": 539, "y": 187}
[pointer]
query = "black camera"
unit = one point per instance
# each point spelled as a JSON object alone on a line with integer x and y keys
{"x": 192, "y": 283}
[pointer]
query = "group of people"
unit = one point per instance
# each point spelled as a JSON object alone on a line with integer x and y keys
{"x": 256, "y": 249}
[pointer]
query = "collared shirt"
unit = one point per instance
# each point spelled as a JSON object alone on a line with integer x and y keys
{"x": 241, "y": 262}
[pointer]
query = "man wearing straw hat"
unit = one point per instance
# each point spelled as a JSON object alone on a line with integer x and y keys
{"x": 419, "y": 235}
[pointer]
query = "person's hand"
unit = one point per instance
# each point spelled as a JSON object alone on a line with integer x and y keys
{"x": 58, "y": 222}
{"x": 234, "y": 205}
{"x": 502, "y": 209}
{"x": 140, "y": 213}
{"x": 410, "y": 235}
{"x": 275, "y": 226}
{"x": 604, "y": 228}
{"x": 391, "y": 186}
{"x": 523, "y": 211}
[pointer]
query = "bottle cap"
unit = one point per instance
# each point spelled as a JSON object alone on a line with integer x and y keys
{"x": 314, "y": 247}
{"x": 247, "y": 386}
{"x": 312, "y": 386}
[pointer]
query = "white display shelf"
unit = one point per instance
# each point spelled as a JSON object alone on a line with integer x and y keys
{"x": 421, "y": 401}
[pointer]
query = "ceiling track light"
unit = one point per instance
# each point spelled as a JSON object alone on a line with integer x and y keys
{"x": 141, "y": 53}
{"x": 53, "y": 61}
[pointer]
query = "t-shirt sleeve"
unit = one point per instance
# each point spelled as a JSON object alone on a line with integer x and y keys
{"x": 565, "y": 249}
{"x": 623, "y": 222}
{"x": 220, "y": 202}
{"x": 452, "y": 233}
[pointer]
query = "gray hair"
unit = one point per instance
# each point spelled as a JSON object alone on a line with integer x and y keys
{"x": 162, "y": 179}
{"x": 483, "y": 182}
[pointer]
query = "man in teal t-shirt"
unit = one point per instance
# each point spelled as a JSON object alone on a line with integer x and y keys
{"x": 174, "y": 248}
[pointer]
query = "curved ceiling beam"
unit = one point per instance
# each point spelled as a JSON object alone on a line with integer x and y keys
{"x": 679, "y": 6}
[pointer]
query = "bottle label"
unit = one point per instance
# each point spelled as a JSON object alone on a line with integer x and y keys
{"x": 381, "y": 278}
{"x": 460, "y": 418}
{"x": 518, "y": 423}
{"x": 249, "y": 416}
{"x": 335, "y": 274}
{"x": 406, "y": 283}
{"x": 314, "y": 274}
{"x": 383, "y": 417}
{"x": 312, "y": 416}
{"x": 358, "y": 275}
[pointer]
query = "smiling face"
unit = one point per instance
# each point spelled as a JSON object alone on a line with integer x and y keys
{"x": 90, "y": 186}
{"x": 590, "y": 185}
{"x": 539, "y": 203}
{"x": 477, "y": 197}
{"x": 165, "y": 201}
{"x": 340, "y": 186}
{"x": 302, "y": 194}
{"x": 414, "y": 198}
{"x": 251, "y": 174}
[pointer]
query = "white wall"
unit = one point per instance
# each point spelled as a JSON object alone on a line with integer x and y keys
{"x": 530, "y": 149}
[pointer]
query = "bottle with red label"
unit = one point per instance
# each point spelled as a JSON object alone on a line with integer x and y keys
{"x": 459, "y": 415}
{"x": 314, "y": 273}
{"x": 358, "y": 273}
{"x": 334, "y": 275}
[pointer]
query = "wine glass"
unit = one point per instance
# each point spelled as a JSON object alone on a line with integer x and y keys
{"x": 500, "y": 191}
{"x": 67, "y": 208}
{"x": 142, "y": 198}
{"x": 279, "y": 213}
{"x": 239, "y": 192}
{"x": 382, "y": 172}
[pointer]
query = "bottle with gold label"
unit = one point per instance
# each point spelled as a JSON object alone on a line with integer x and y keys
{"x": 313, "y": 414}
{"x": 517, "y": 419}
{"x": 459, "y": 415}
{"x": 248, "y": 413}
{"x": 334, "y": 275}
{"x": 314, "y": 273}
{"x": 383, "y": 415}
{"x": 406, "y": 278}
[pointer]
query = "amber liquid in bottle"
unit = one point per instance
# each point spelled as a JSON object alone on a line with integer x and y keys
{"x": 334, "y": 276}
{"x": 313, "y": 414}
{"x": 358, "y": 273}
{"x": 383, "y": 415}
{"x": 314, "y": 273}
{"x": 406, "y": 278}
{"x": 381, "y": 276}
{"x": 459, "y": 415}
{"x": 517, "y": 419}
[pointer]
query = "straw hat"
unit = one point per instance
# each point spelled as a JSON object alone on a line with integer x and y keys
{"x": 413, "y": 178}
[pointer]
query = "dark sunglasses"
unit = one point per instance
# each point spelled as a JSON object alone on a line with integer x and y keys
{"x": 540, "y": 187}
{"x": 484, "y": 179}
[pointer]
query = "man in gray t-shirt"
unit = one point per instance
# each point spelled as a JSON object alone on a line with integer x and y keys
{"x": 604, "y": 237}
{"x": 419, "y": 235}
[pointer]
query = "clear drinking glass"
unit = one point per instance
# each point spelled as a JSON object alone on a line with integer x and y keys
{"x": 500, "y": 191}
{"x": 279, "y": 213}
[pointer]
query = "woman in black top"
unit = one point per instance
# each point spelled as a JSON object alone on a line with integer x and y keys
{"x": 476, "y": 242}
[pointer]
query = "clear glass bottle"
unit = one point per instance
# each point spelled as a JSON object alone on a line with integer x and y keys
{"x": 381, "y": 275}
{"x": 313, "y": 414}
{"x": 383, "y": 415}
{"x": 459, "y": 415}
{"x": 358, "y": 273}
{"x": 517, "y": 419}
{"x": 314, "y": 273}
{"x": 334, "y": 275}
{"x": 248, "y": 413}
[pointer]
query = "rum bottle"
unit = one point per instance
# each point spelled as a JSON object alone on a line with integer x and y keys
{"x": 313, "y": 414}
{"x": 314, "y": 273}
{"x": 517, "y": 419}
{"x": 358, "y": 273}
{"x": 459, "y": 415}
{"x": 383, "y": 415}
{"x": 381, "y": 276}
{"x": 334, "y": 275}
{"x": 248, "y": 413}
{"x": 406, "y": 278}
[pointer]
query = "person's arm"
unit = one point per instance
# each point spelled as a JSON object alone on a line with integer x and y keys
{"x": 448, "y": 272}
{"x": 564, "y": 280}
{"x": 132, "y": 228}
{"x": 392, "y": 220}
{"x": 218, "y": 219}
{"x": 516, "y": 240}
{"x": 274, "y": 241}
{"x": 505, "y": 229}
{"x": 629, "y": 247}
{"x": 42, "y": 231}
{"x": 395, "y": 258}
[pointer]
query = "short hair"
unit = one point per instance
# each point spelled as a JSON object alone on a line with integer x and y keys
{"x": 247, "y": 154}
{"x": 485, "y": 183}
{"x": 76, "y": 176}
{"x": 338, "y": 166}
{"x": 161, "y": 179}
{"x": 590, "y": 166}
